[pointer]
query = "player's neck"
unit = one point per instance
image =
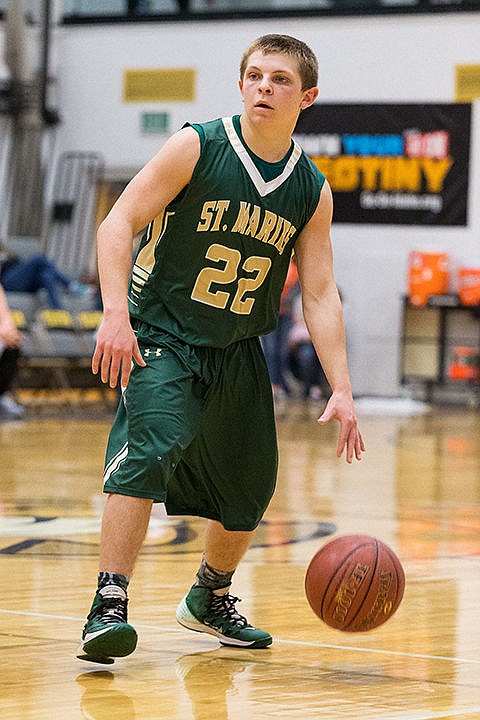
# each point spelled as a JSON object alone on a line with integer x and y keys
{"x": 269, "y": 143}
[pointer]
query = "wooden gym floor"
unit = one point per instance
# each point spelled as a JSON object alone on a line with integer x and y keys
{"x": 418, "y": 489}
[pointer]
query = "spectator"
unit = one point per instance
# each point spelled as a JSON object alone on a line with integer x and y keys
{"x": 32, "y": 274}
{"x": 10, "y": 343}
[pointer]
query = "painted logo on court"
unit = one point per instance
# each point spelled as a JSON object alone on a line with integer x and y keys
{"x": 56, "y": 535}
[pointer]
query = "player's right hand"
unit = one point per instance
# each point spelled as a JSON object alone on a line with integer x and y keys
{"x": 115, "y": 349}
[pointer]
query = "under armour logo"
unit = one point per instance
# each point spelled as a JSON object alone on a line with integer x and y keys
{"x": 148, "y": 351}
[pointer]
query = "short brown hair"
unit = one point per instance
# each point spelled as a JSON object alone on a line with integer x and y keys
{"x": 287, "y": 45}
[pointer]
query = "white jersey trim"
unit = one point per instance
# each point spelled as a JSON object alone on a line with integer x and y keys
{"x": 263, "y": 187}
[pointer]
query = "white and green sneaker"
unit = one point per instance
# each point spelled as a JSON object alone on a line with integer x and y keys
{"x": 107, "y": 634}
{"x": 213, "y": 612}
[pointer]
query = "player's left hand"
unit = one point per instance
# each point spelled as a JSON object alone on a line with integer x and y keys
{"x": 340, "y": 407}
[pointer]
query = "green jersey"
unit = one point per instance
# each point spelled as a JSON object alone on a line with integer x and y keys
{"x": 214, "y": 271}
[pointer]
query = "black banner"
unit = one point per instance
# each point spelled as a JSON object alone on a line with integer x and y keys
{"x": 395, "y": 164}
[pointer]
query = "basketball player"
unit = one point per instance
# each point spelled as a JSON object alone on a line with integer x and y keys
{"x": 195, "y": 426}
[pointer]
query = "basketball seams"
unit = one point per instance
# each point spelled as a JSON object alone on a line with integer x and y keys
{"x": 335, "y": 576}
{"x": 372, "y": 577}
{"x": 399, "y": 577}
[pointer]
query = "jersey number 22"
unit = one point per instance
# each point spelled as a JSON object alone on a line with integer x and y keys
{"x": 203, "y": 291}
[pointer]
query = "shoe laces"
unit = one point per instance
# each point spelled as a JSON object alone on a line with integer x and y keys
{"x": 111, "y": 610}
{"x": 224, "y": 606}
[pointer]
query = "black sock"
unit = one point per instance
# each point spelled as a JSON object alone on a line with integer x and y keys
{"x": 211, "y": 578}
{"x": 109, "y": 578}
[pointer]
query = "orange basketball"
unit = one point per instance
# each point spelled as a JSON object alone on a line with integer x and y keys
{"x": 354, "y": 583}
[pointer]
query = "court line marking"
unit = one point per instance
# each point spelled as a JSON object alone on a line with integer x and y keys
{"x": 444, "y": 714}
{"x": 378, "y": 651}
{"x": 301, "y": 643}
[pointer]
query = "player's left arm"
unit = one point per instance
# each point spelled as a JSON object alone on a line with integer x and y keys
{"x": 322, "y": 310}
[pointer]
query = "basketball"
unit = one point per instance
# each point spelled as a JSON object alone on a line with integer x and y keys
{"x": 354, "y": 583}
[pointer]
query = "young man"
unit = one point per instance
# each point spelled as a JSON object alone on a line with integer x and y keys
{"x": 195, "y": 427}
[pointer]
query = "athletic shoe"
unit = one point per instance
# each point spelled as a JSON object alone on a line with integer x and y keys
{"x": 107, "y": 634}
{"x": 213, "y": 612}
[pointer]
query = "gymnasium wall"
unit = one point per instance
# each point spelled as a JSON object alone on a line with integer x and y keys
{"x": 372, "y": 59}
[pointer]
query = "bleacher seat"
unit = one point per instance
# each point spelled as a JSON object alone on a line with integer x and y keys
{"x": 87, "y": 323}
{"x": 29, "y": 345}
{"x": 54, "y": 349}
{"x": 27, "y": 303}
{"x": 58, "y": 336}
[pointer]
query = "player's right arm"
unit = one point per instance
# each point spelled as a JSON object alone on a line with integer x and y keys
{"x": 144, "y": 198}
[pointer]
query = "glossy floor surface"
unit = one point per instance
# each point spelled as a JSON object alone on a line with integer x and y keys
{"x": 417, "y": 489}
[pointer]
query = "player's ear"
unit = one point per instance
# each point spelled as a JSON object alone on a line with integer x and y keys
{"x": 309, "y": 97}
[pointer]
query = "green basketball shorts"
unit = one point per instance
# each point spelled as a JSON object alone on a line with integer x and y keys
{"x": 195, "y": 429}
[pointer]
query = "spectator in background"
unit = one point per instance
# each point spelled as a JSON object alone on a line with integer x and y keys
{"x": 32, "y": 274}
{"x": 275, "y": 343}
{"x": 10, "y": 344}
